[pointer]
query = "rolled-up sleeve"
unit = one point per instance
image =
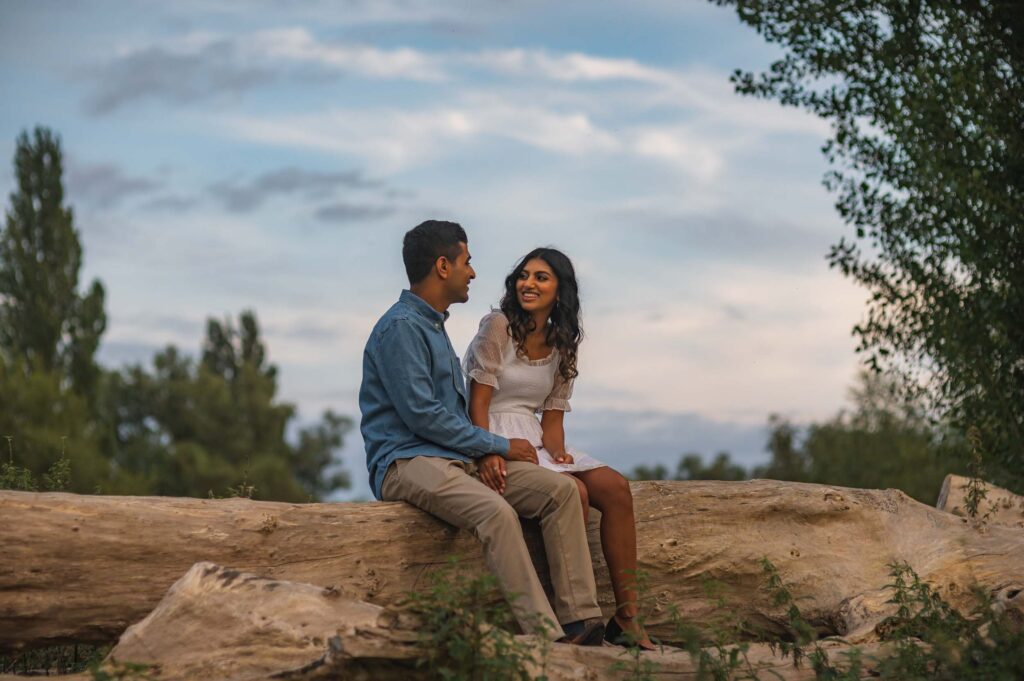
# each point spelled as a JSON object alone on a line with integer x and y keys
{"x": 404, "y": 367}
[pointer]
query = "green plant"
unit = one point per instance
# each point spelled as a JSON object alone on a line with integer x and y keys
{"x": 58, "y": 477}
{"x": 466, "y": 629}
{"x": 121, "y": 671}
{"x": 977, "y": 490}
{"x": 13, "y": 476}
{"x": 933, "y": 641}
{"x": 243, "y": 490}
{"x": 65, "y": 659}
{"x": 719, "y": 648}
{"x": 802, "y": 633}
{"x": 638, "y": 667}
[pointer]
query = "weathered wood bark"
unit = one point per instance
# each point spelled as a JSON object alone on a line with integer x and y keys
{"x": 999, "y": 507}
{"x": 82, "y": 568}
{"x": 221, "y": 624}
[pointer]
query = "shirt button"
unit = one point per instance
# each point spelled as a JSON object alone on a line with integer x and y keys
{"x": 436, "y": 325}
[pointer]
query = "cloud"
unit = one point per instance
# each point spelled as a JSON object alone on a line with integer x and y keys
{"x": 243, "y": 197}
{"x": 171, "y": 203}
{"x": 397, "y": 139}
{"x": 346, "y": 212}
{"x": 194, "y": 70}
{"x": 106, "y": 185}
{"x": 298, "y": 45}
{"x": 203, "y": 65}
{"x": 726, "y": 234}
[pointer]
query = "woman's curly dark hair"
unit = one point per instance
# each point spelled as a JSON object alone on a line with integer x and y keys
{"x": 564, "y": 332}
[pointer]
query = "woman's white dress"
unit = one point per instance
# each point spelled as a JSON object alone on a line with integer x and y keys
{"x": 523, "y": 388}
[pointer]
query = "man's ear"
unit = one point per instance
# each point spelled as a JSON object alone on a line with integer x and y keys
{"x": 443, "y": 267}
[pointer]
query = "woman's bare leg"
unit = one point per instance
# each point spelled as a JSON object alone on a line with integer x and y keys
{"x": 584, "y": 497}
{"x": 609, "y": 492}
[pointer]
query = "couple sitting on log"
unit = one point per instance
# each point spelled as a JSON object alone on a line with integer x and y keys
{"x": 481, "y": 461}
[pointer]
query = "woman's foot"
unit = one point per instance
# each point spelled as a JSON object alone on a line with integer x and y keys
{"x": 627, "y": 631}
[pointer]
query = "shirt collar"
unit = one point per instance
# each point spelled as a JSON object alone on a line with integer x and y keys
{"x": 423, "y": 307}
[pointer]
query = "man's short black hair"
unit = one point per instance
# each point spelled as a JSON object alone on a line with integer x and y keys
{"x": 428, "y": 241}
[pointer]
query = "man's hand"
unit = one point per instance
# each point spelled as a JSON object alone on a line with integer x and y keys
{"x": 521, "y": 450}
{"x": 491, "y": 470}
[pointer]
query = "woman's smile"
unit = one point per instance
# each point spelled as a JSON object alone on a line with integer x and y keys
{"x": 537, "y": 287}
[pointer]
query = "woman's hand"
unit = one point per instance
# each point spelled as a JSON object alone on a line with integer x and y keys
{"x": 564, "y": 457}
{"x": 492, "y": 472}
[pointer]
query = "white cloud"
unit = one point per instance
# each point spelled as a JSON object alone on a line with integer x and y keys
{"x": 299, "y": 45}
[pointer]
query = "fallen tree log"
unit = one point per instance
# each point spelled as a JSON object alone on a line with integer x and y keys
{"x": 82, "y": 568}
{"x": 219, "y": 623}
{"x": 998, "y": 506}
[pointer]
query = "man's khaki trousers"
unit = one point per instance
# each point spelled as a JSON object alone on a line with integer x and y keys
{"x": 448, "y": 489}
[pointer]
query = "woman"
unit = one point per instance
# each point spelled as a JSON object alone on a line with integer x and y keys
{"x": 523, "y": 361}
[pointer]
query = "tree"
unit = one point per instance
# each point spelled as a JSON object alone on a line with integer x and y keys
{"x": 691, "y": 467}
{"x": 215, "y": 426}
{"x": 926, "y": 102}
{"x": 882, "y": 442}
{"x": 48, "y": 332}
{"x": 45, "y": 325}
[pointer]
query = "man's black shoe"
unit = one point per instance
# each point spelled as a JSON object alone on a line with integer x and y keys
{"x": 583, "y": 632}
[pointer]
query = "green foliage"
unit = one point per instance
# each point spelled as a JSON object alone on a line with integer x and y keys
{"x": 215, "y": 426}
{"x": 66, "y": 659}
{"x": 43, "y": 319}
{"x": 800, "y": 633}
{"x": 927, "y": 157}
{"x": 882, "y": 442}
{"x": 934, "y": 642}
{"x": 465, "y": 631}
{"x": 977, "y": 490}
{"x": 13, "y": 476}
{"x": 639, "y": 667}
{"x": 691, "y": 467}
{"x": 185, "y": 428}
{"x": 719, "y": 646}
{"x": 122, "y": 671}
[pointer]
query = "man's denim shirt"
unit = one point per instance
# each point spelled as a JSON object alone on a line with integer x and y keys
{"x": 413, "y": 397}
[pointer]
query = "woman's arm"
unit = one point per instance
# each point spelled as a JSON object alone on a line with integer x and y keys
{"x": 551, "y": 422}
{"x": 491, "y": 469}
{"x": 480, "y": 403}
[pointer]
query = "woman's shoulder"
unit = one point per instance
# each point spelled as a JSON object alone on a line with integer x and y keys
{"x": 493, "y": 321}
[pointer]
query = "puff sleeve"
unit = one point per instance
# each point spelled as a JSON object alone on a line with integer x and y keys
{"x": 558, "y": 398}
{"x": 483, "y": 360}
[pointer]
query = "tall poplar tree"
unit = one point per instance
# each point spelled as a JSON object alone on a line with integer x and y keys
{"x": 45, "y": 324}
{"x": 49, "y": 333}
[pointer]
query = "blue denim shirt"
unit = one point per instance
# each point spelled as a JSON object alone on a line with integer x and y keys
{"x": 413, "y": 397}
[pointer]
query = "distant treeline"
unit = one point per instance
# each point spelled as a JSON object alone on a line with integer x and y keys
{"x": 882, "y": 442}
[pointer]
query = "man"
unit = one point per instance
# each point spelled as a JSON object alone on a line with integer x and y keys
{"x": 422, "y": 448}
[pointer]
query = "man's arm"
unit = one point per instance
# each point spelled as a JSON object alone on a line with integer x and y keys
{"x": 403, "y": 364}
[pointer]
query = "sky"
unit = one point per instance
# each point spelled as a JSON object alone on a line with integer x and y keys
{"x": 223, "y": 156}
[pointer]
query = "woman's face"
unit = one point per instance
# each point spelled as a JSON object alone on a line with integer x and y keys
{"x": 537, "y": 287}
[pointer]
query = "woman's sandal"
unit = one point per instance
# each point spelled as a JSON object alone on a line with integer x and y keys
{"x": 615, "y": 634}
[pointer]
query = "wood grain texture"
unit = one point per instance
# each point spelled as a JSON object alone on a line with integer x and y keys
{"x": 82, "y": 568}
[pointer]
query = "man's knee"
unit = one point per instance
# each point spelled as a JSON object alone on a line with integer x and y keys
{"x": 501, "y": 516}
{"x": 565, "y": 490}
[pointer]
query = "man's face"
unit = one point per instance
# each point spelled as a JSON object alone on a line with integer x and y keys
{"x": 460, "y": 273}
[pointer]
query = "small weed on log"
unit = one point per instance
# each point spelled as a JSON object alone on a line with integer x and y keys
{"x": 466, "y": 629}
{"x": 639, "y": 667}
